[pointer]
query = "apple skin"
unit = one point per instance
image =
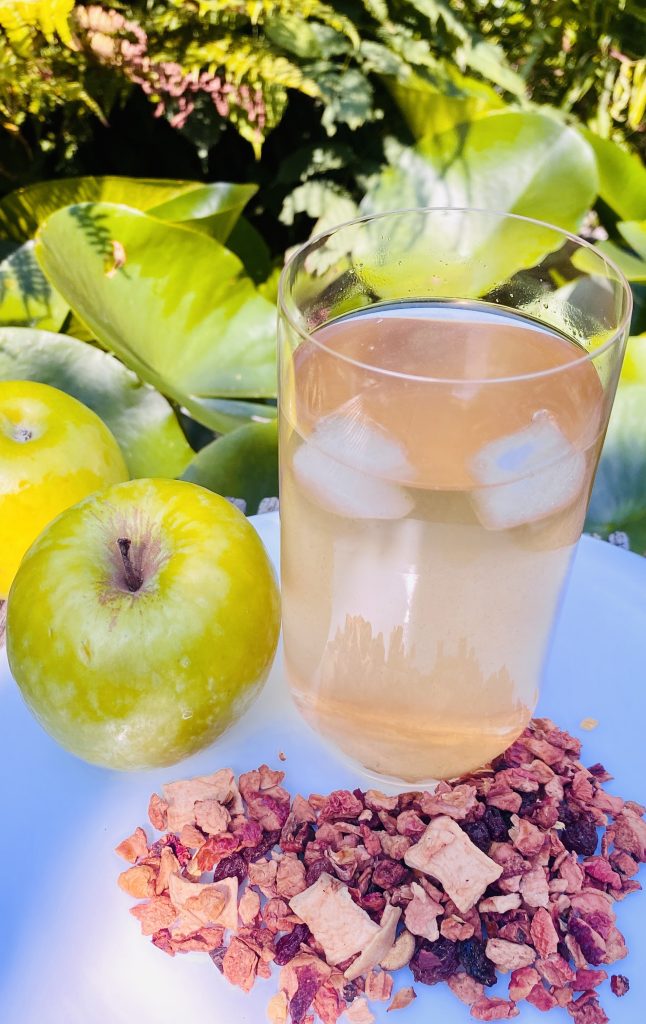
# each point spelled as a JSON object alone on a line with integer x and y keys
{"x": 54, "y": 451}
{"x": 134, "y": 680}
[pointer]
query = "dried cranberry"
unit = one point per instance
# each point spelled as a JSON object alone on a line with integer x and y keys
{"x": 478, "y": 833}
{"x": 270, "y": 839}
{"x": 289, "y": 945}
{"x": 360, "y": 795}
{"x": 619, "y": 984}
{"x": 217, "y": 956}
{"x": 435, "y": 961}
{"x": 528, "y": 802}
{"x": 234, "y": 866}
{"x": 497, "y": 824}
{"x": 476, "y": 963}
{"x": 350, "y": 991}
{"x": 315, "y": 870}
{"x": 388, "y": 873}
{"x": 580, "y": 836}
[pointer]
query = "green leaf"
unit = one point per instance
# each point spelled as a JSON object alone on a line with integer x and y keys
{"x": 633, "y": 370}
{"x": 618, "y": 499}
{"x": 173, "y": 304}
{"x": 243, "y": 464}
{"x": 23, "y": 211}
{"x": 635, "y": 234}
{"x": 140, "y": 418}
{"x": 249, "y": 245}
{"x": 489, "y": 60}
{"x": 27, "y": 299}
{"x": 429, "y": 110}
{"x": 223, "y": 416}
{"x": 622, "y": 177}
{"x": 519, "y": 162}
{"x": 213, "y": 209}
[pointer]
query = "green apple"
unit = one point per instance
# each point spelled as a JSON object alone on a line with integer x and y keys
{"x": 142, "y": 622}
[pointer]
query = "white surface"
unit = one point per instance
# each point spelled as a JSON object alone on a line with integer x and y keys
{"x": 70, "y": 953}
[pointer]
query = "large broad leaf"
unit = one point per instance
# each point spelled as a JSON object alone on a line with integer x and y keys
{"x": 27, "y": 299}
{"x": 622, "y": 177}
{"x": 243, "y": 464}
{"x": 633, "y": 266}
{"x": 140, "y": 418}
{"x": 619, "y": 497}
{"x": 23, "y": 211}
{"x": 173, "y": 304}
{"x": 213, "y": 209}
{"x": 429, "y": 110}
{"x": 223, "y": 415}
{"x": 523, "y": 163}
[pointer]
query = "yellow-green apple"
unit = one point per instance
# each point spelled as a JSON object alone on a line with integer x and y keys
{"x": 143, "y": 622}
{"x": 53, "y": 452}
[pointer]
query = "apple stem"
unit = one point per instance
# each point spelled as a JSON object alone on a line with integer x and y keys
{"x": 134, "y": 579}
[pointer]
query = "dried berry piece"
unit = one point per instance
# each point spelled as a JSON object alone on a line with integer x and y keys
{"x": 478, "y": 833}
{"x": 435, "y": 961}
{"x": 580, "y": 836}
{"x": 299, "y": 1004}
{"x": 498, "y": 824}
{"x": 475, "y": 961}
{"x": 290, "y": 944}
{"x": 619, "y": 984}
{"x": 234, "y": 866}
{"x": 270, "y": 838}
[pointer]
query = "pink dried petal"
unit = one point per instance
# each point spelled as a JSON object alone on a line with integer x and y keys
{"x": 134, "y": 848}
{"x": 541, "y": 998}
{"x": 456, "y": 803}
{"x": 157, "y": 813}
{"x": 534, "y": 888}
{"x": 526, "y": 838}
{"x": 455, "y": 929}
{"x": 508, "y": 956}
{"x": 410, "y": 824}
{"x": 421, "y": 913}
{"x": 263, "y": 874}
{"x": 328, "y": 1004}
{"x": 467, "y": 989}
{"x": 543, "y": 933}
{"x": 586, "y": 980}
{"x": 341, "y": 803}
{"x": 240, "y": 964}
{"x": 158, "y": 913}
{"x": 379, "y": 986}
{"x": 403, "y": 998}
{"x": 290, "y": 876}
{"x": 249, "y": 907}
{"x": 587, "y": 1010}
{"x": 358, "y": 1012}
{"x": 630, "y": 835}
{"x": 378, "y": 801}
{"x": 487, "y": 1008}
{"x": 521, "y": 982}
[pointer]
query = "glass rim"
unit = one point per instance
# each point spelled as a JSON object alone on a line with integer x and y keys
{"x": 285, "y": 301}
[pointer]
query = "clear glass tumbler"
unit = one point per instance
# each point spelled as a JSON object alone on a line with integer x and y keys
{"x": 446, "y": 378}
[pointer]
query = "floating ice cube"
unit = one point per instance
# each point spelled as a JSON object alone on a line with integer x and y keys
{"x": 346, "y": 491}
{"x": 358, "y": 441}
{"x": 527, "y": 475}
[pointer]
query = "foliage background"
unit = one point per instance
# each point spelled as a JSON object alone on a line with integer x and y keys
{"x": 268, "y": 119}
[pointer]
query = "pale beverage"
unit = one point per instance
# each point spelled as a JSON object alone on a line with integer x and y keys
{"x": 437, "y": 460}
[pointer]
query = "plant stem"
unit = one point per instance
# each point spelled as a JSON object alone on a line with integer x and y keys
{"x": 134, "y": 579}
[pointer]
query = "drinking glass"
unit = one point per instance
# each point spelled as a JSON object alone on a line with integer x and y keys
{"x": 446, "y": 378}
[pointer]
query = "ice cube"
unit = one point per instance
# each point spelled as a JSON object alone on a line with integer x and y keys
{"x": 347, "y": 491}
{"x": 358, "y": 441}
{"x": 527, "y": 475}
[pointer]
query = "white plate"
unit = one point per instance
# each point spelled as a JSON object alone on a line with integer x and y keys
{"x": 70, "y": 953}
